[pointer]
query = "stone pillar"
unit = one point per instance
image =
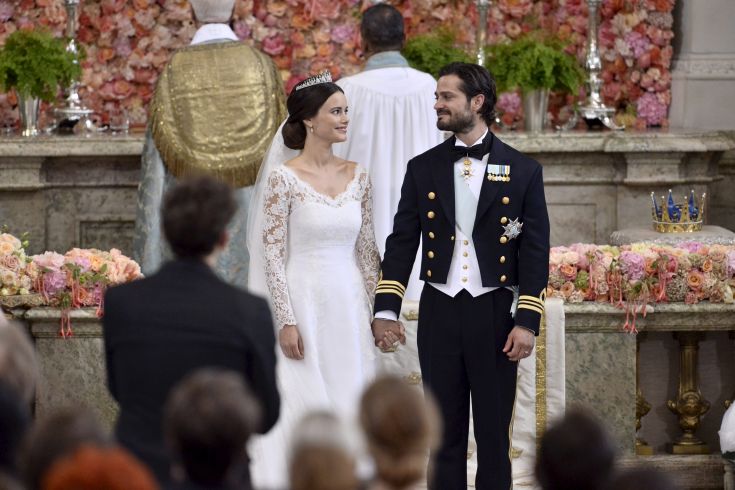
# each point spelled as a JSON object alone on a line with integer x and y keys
{"x": 703, "y": 72}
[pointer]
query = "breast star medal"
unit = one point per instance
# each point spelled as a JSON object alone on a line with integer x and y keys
{"x": 466, "y": 171}
{"x": 498, "y": 173}
{"x": 512, "y": 229}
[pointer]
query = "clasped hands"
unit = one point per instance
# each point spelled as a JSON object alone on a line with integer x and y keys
{"x": 387, "y": 334}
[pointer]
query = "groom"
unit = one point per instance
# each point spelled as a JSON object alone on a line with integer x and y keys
{"x": 478, "y": 205}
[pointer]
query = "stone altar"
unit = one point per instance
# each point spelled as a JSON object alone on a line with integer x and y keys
{"x": 82, "y": 191}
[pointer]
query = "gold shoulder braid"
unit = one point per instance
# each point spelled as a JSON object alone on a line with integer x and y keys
{"x": 215, "y": 111}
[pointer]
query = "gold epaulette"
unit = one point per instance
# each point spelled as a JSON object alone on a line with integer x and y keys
{"x": 390, "y": 287}
{"x": 533, "y": 303}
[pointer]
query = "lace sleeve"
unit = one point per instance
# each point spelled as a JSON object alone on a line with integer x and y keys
{"x": 277, "y": 203}
{"x": 368, "y": 257}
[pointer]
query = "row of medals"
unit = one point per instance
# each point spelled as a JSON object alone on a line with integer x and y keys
{"x": 505, "y": 177}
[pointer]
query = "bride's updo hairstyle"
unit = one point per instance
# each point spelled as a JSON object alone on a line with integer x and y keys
{"x": 304, "y": 103}
{"x": 400, "y": 425}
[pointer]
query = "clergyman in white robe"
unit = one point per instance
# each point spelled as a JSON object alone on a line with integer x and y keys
{"x": 392, "y": 119}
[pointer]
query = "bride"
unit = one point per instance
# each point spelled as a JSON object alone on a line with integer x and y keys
{"x": 313, "y": 253}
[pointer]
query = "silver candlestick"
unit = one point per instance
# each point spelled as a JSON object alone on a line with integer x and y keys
{"x": 481, "y": 34}
{"x": 72, "y": 110}
{"x": 594, "y": 109}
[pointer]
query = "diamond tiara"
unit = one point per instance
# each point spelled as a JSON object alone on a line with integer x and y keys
{"x": 323, "y": 77}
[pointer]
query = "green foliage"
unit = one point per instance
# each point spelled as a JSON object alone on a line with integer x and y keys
{"x": 35, "y": 63}
{"x": 531, "y": 63}
{"x": 430, "y": 52}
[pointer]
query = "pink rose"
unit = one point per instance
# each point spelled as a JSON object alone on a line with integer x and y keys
{"x": 242, "y": 30}
{"x": 342, "y": 33}
{"x": 51, "y": 261}
{"x": 512, "y": 29}
{"x": 273, "y": 45}
{"x": 515, "y": 8}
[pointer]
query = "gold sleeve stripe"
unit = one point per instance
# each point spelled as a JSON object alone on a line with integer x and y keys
{"x": 389, "y": 290}
{"x": 532, "y": 308}
{"x": 392, "y": 283}
{"x": 531, "y": 303}
{"x": 532, "y": 299}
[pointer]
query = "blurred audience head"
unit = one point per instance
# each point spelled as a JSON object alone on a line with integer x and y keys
{"x": 381, "y": 28}
{"x": 99, "y": 468}
{"x": 56, "y": 436}
{"x": 195, "y": 215}
{"x": 401, "y": 425}
{"x": 18, "y": 365}
{"x": 575, "y": 453}
{"x": 208, "y": 419}
{"x": 15, "y": 419}
{"x": 8, "y": 482}
{"x": 641, "y": 479}
{"x": 322, "y": 455}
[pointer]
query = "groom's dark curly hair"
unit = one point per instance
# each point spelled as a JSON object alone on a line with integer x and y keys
{"x": 195, "y": 215}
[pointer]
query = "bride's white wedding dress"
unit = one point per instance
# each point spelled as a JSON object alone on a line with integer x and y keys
{"x": 321, "y": 266}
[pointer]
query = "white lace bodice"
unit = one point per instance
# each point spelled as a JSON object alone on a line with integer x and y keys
{"x": 304, "y": 228}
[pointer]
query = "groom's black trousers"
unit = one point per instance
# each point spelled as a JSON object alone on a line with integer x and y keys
{"x": 460, "y": 343}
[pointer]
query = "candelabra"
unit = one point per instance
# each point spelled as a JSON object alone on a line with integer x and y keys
{"x": 72, "y": 109}
{"x": 594, "y": 109}
{"x": 481, "y": 34}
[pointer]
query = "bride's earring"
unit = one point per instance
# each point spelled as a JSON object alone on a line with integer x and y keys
{"x": 311, "y": 129}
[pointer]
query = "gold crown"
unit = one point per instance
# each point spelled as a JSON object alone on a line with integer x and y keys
{"x": 682, "y": 217}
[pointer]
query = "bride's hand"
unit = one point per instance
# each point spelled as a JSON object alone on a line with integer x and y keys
{"x": 291, "y": 343}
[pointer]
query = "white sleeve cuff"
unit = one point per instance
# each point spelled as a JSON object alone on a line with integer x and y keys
{"x": 386, "y": 315}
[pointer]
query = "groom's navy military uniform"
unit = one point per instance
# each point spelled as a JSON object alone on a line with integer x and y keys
{"x": 462, "y": 331}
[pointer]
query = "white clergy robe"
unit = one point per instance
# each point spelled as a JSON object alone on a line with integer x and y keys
{"x": 392, "y": 119}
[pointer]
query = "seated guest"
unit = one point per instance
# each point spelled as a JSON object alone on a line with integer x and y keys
{"x": 159, "y": 329}
{"x": 18, "y": 364}
{"x": 641, "y": 479}
{"x": 322, "y": 457}
{"x": 208, "y": 419}
{"x": 575, "y": 453}
{"x": 56, "y": 436}
{"x": 401, "y": 426}
{"x": 99, "y": 468}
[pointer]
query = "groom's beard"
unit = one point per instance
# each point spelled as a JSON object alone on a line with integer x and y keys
{"x": 457, "y": 123}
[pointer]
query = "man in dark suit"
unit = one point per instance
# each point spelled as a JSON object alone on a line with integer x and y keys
{"x": 158, "y": 329}
{"x": 479, "y": 207}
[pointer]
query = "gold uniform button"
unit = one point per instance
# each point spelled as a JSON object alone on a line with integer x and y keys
{"x": 506, "y": 200}
{"x": 503, "y": 278}
{"x": 503, "y": 220}
{"x": 431, "y": 214}
{"x": 428, "y": 273}
{"x": 465, "y": 266}
{"x": 503, "y": 239}
{"x": 464, "y": 279}
{"x": 432, "y": 195}
{"x": 431, "y": 235}
{"x": 451, "y": 237}
{"x": 430, "y": 254}
{"x": 466, "y": 242}
{"x": 502, "y": 259}
{"x": 465, "y": 254}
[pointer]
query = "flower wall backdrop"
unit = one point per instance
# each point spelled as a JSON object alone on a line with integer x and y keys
{"x": 129, "y": 41}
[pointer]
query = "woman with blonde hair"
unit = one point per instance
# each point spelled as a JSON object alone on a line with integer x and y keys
{"x": 322, "y": 455}
{"x": 401, "y": 426}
